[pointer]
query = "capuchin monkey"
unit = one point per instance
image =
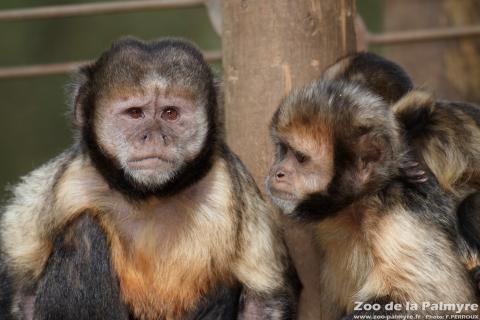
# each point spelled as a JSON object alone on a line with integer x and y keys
{"x": 382, "y": 239}
{"x": 148, "y": 215}
{"x": 444, "y": 136}
{"x": 377, "y": 74}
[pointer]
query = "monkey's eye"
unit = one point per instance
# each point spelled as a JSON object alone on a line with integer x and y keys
{"x": 135, "y": 113}
{"x": 170, "y": 114}
{"x": 301, "y": 158}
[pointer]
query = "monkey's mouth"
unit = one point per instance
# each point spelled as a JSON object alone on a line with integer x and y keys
{"x": 283, "y": 195}
{"x": 150, "y": 162}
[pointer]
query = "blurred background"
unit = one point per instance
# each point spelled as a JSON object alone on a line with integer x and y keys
{"x": 33, "y": 126}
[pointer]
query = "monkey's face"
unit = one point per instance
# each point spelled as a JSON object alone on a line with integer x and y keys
{"x": 148, "y": 115}
{"x": 303, "y": 164}
{"x": 336, "y": 144}
{"x": 151, "y": 132}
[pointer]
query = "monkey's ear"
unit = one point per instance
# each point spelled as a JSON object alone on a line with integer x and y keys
{"x": 370, "y": 151}
{"x": 370, "y": 148}
{"x": 79, "y": 95}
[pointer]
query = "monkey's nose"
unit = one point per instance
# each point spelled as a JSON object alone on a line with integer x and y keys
{"x": 166, "y": 139}
{"x": 280, "y": 175}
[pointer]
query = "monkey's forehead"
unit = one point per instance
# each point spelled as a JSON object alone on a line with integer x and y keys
{"x": 334, "y": 104}
{"x": 135, "y": 65}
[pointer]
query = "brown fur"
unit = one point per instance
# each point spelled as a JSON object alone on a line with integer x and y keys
{"x": 445, "y": 136}
{"x": 186, "y": 228}
{"x": 449, "y": 142}
{"x": 382, "y": 257}
{"x": 386, "y": 240}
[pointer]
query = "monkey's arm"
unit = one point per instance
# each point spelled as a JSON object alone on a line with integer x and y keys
{"x": 221, "y": 304}
{"x": 78, "y": 281}
{"x": 278, "y": 305}
{"x": 270, "y": 287}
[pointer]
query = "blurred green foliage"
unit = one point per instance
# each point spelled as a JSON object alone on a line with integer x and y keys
{"x": 33, "y": 126}
{"x": 371, "y": 12}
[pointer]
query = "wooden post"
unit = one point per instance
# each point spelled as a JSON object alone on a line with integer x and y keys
{"x": 269, "y": 47}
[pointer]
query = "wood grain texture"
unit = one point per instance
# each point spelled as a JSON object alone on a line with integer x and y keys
{"x": 269, "y": 47}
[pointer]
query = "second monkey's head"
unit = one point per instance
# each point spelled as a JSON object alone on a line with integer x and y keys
{"x": 148, "y": 115}
{"x": 335, "y": 143}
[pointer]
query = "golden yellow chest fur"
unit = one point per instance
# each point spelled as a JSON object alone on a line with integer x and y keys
{"x": 170, "y": 252}
{"x": 166, "y": 252}
{"x": 164, "y": 264}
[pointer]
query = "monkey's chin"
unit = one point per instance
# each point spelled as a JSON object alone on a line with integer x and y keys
{"x": 285, "y": 201}
{"x": 151, "y": 178}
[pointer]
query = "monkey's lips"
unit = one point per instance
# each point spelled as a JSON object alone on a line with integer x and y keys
{"x": 149, "y": 162}
{"x": 283, "y": 195}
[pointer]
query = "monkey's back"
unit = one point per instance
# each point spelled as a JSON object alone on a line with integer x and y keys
{"x": 447, "y": 138}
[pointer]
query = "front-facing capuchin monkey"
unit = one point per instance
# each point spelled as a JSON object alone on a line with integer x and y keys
{"x": 445, "y": 136}
{"x": 149, "y": 215}
{"x": 383, "y": 239}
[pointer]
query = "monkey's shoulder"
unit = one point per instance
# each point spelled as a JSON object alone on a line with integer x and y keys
{"x": 37, "y": 186}
{"x": 416, "y": 196}
{"x": 28, "y": 218}
{"x": 459, "y": 113}
{"x": 423, "y": 118}
{"x": 242, "y": 180}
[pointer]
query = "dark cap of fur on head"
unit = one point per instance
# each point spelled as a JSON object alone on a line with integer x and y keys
{"x": 348, "y": 109}
{"x": 381, "y": 76}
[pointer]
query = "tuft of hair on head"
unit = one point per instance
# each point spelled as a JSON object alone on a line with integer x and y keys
{"x": 414, "y": 110}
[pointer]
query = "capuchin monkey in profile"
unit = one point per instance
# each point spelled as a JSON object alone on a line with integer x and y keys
{"x": 148, "y": 215}
{"x": 383, "y": 239}
{"x": 444, "y": 136}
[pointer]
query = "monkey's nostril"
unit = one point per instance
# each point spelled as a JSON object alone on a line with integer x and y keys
{"x": 280, "y": 174}
{"x": 166, "y": 140}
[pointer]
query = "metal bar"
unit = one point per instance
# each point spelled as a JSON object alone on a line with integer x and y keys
{"x": 392, "y": 38}
{"x": 61, "y": 68}
{"x": 74, "y": 10}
